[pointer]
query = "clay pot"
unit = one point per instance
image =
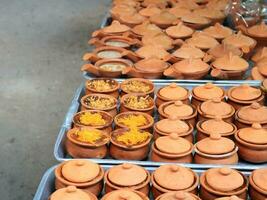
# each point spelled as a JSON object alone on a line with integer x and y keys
{"x": 164, "y": 19}
{"x": 247, "y": 115}
{"x": 216, "y": 150}
{"x": 202, "y": 41}
{"x": 137, "y": 86}
{"x": 125, "y": 193}
{"x": 216, "y": 16}
{"x": 190, "y": 4}
{"x": 215, "y": 108}
{"x": 179, "y": 12}
{"x": 80, "y": 149}
{"x": 172, "y": 148}
{"x": 159, "y": 3}
{"x": 188, "y": 69}
{"x": 121, "y": 9}
{"x": 206, "y": 127}
{"x": 150, "y": 10}
{"x": 172, "y": 124}
{"x": 206, "y": 92}
{"x": 132, "y": 3}
{"x": 178, "y": 195}
{"x": 169, "y": 178}
{"x": 172, "y": 92}
{"x": 222, "y": 50}
{"x": 128, "y": 176}
{"x": 259, "y": 72}
{"x": 88, "y": 103}
{"x": 218, "y": 4}
{"x": 257, "y": 181}
{"x": 229, "y": 198}
{"x": 259, "y": 55}
{"x": 180, "y": 31}
{"x": 83, "y": 174}
{"x": 180, "y": 110}
{"x": 71, "y": 192}
{"x": 220, "y": 182}
{"x": 121, "y": 151}
{"x": 252, "y": 143}
{"x": 147, "y": 126}
{"x": 102, "y": 86}
{"x": 159, "y": 39}
{"x": 218, "y": 31}
{"x": 131, "y": 20}
{"x": 146, "y": 28}
{"x": 229, "y": 67}
{"x": 195, "y": 21}
{"x": 79, "y": 120}
{"x": 244, "y": 95}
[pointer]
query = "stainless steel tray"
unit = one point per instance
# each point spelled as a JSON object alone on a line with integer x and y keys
{"x": 61, "y": 154}
{"x": 47, "y": 184}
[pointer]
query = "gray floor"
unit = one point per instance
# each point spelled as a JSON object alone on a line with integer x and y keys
{"x": 41, "y": 44}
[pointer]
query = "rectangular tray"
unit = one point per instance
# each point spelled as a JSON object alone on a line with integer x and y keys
{"x": 61, "y": 155}
{"x": 47, "y": 184}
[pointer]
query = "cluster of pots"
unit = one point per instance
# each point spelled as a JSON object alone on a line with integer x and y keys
{"x": 81, "y": 178}
{"x": 229, "y": 125}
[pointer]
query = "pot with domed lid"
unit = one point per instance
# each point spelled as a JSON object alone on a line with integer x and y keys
{"x": 215, "y": 15}
{"x": 179, "y": 11}
{"x": 195, "y": 21}
{"x": 233, "y": 197}
{"x": 125, "y": 194}
{"x": 218, "y": 31}
{"x": 252, "y": 143}
{"x": 216, "y": 149}
{"x": 180, "y": 31}
{"x": 164, "y": 19}
{"x": 258, "y": 184}
{"x": 171, "y": 177}
{"x": 149, "y": 11}
{"x": 146, "y": 28}
{"x": 121, "y": 9}
{"x": 160, "y": 39}
{"x": 129, "y": 176}
{"x": 131, "y": 20}
{"x": 83, "y": 174}
{"x": 181, "y": 195}
{"x": 259, "y": 55}
{"x": 221, "y": 182}
{"x": 202, "y": 41}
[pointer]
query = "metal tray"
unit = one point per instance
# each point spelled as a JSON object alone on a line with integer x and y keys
{"x": 47, "y": 184}
{"x": 61, "y": 154}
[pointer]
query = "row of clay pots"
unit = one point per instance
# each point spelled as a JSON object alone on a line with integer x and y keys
{"x": 214, "y": 183}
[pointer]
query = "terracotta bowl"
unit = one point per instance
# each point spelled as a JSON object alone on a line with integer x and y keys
{"x": 129, "y": 193}
{"x": 256, "y": 184}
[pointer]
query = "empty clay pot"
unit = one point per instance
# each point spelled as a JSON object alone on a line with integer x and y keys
{"x": 195, "y": 21}
{"x": 180, "y": 31}
{"x": 83, "y": 174}
{"x": 128, "y": 176}
{"x": 164, "y": 19}
{"x": 181, "y": 195}
{"x": 124, "y": 194}
{"x": 257, "y": 182}
{"x": 218, "y": 31}
{"x": 202, "y": 41}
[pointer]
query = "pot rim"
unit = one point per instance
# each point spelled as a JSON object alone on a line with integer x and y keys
{"x": 167, "y": 99}
{"x": 136, "y": 109}
{"x": 249, "y": 145}
{"x": 110, "y": 48}
{"x": 117, "y": 85}
{"x": 168, "y": 155}
{"x": 214, "y": 156}
{"x": 254, "y": 186}
{"x": 122, "y": 38}
{"x": 141, "y": 80}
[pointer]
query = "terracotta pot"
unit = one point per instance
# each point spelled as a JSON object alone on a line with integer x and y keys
{"x": 195, "y": 21}
{"x": 206, "y": 127}
{"x": 150, "y": 10}
{"x": 191, "y": 5}
{"x": 80, "y": 149}
{"x": 159, "y": 3}
{"x": 206, "y": 92}
{"x": 169, "y": 178}
{"x": 218, "y": 31}
{"x": 258, "y": 72}
{"x": 216, "y": 16}
{"x": 257, "y": 181}
{"x": 180, "y": 110}
{"x": 121, "y": 9}
{"x": 180, "y": 31}
{"x": 148, "y": 120}
{"x": 128, "y": 176}
{"x": 102, "y": 86}
{"x": 229, "y": 198}
{"x": 83, "y": 174}
{"x": 131, "y": 20}
{"x": 259, "y": 55}
{"x": 172, "y": 92}
{"x": 111, "y": 108}
{"x": 130, "y": 3}
{"x": 216, "y": 150}
{"x": 216, "y": 108}
{"x": 247, "y": 115}
{"x": 179, "y": 11}
{"x": 172, "y": 124}
{"x": 244, "y": 95}
{"x": 160, "y": 39}
{"x": 220, "y": 182}
{"x": 164, "y": 19}
{"x": 146, "y": 28}
{"x": 172, "y": 148}
{"x": 252, "y": 143}
{"x": 121, "y": 151}
{"x": 178, "y": 195}
{"x": 71, "y": 192}
{"x": 202, "y": 41}
{"x": 125, "y": 193}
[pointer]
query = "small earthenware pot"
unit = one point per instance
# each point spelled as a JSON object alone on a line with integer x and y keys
{"x": 164, "y": 19}
{"x": 78, "y": 148}
{"x": 215, "y": 15}
{"x": 169, "y": 178}
{"x": 127, "y": 175}
{"x": 172, "y": 148}
{"x": 146, "y": 28}
{"x": 125, "y": 194}
{"x": 122, "y": 9}
{"x": 195, "y": 21}
{"x": 259, "y": 55}
{"x": 83, "y": 174}
{"x": 257, "y": 184}
{"x": 220, "y": 182}
{"x": 131, "y": 20}
{"x": 180, "y": 31}
{"x": 218, "y": 31}
{"x": 180, "y": 195}
{"x": 150, "y": 10}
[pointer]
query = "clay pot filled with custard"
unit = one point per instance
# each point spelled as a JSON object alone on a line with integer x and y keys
{"x": 181, "y": 195}
{"x": 82, "y": 174}
{"x": 258, "y": 184}
{"x": 125, "y": 194}
{"x": 137, "y": 86}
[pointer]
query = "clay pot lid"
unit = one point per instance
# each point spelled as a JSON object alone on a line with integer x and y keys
{"x": 151, "y": 65}
{"x": 70, "y": 193}
{"x": 260, "y": 54}
{"x": 259, "y": 177}
{"x": 245, "y": 92}
{"x": 239, "y": 40}
{"x": 160, "y": 39}
{"x": 259, "y": 30}
{"x": 173, "y": 144}
{"x": 179, "y": 195}
{"x": 191, "y": 66}
{"x": 188, "y": 51}
{"x": 215, "y": 145}
{"x": 217, "y": 125}
{"x": 253, "y": 113}
{"x": 127, "y": 175}
{"x": 255, "y": 134}
{"x": 174, "y": 177}
{"x": 116, "y": 27}
{"x": 216, "y": 107}
{"x": 179, "y": 12}
{"x": 172, "y": 125}
{"x": 194, "y": 18}
{"x": 164, "y": 17}
{"x": 223, "y": 49}
{"x": 224, "y": 179}
{"x": 208, "y": 91}
{"x": 135, "y": 18}
{"x": 178, "y": 109}
{"x": 123, "y": 194}
{"x": 210, "y": 13}
{"x": 173, "y": 92}
{"x": 229, "y": 198}
{"x": 80, "y": 171}
{"x": 150, "y": 10}
{"x": 202, "y": 40}
{"x": 231, "y": 62}
{"x": 146, "y": 28}
{"x": 152, "y": 50}
{"x": 218, "y": 31}
{"x": 179, "y": 31}
{"x": 122, "y": 9}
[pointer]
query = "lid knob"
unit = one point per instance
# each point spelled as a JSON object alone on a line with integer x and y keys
{"x": 175, "y": 168}
{"x": 124, "y": 196}
{"x": 71, "y": 189}
{"x": 173, "y": 85}
{"x": 225, "y": 171}
{"x": 80, "y": 163}
{"x": 126, "y": 166}
{"x": 180, "y": 195}
{"x": 255, "y": 105}
{"x": 174, "y": 136}
{"x": 178, "y": 103}
{"x": 216, "y": 100}
{"x": 256, "y": 126}
{"x": 215, "y": 136}
{"x": 208, "y": 86}
{"x": 172, "y": 117}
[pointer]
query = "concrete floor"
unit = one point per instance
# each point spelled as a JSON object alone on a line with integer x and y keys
{"x": 41, "y": 44}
